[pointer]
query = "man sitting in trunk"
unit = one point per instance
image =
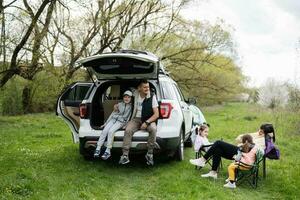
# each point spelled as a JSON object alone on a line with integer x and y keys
{"x": 145, "y": 114}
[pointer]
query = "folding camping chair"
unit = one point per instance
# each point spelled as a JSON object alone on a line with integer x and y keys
{"x": 251, "y": 174}
{"x": 201, "y": 153}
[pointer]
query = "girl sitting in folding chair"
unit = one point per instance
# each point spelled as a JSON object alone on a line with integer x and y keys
{"x": 244, "y": 159}
{"x": 201, "y": 138}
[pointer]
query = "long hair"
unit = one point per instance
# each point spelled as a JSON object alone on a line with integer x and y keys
{"x": 268, "y": 128}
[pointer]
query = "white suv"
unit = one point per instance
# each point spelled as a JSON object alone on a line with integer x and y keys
{"x": 85, "y": 106}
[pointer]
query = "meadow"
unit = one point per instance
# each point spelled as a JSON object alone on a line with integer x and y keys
{"x": 38, "y": 160}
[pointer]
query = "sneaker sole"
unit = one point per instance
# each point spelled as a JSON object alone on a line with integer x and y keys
{"x": 209, "y": 177}
{"x": 105, "y": 158}
{"x": 229, "y": 187}
{"x": 124, "y": 163}
{"x": 148, "y": 163}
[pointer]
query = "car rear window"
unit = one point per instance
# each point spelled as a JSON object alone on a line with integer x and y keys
{"x": 121, "y": 65}
{"x": 168, "y": 91}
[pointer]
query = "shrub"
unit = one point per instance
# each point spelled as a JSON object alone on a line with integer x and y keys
{"x": 11, "y": 97}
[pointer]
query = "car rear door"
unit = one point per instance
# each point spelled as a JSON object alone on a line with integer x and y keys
{"x": 112, "y": 66}
{"x": 68, "y": 105}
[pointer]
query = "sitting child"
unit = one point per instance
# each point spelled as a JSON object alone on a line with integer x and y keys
{"x": 245, "y": 155}
{"x": 201, "y": 138}
{"x": 116, "y": 120}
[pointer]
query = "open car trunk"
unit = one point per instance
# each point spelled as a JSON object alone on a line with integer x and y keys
{"x": 107, "y": 95}
{"x": 116, "y": 66}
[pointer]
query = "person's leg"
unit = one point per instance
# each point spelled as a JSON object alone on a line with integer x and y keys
{"x": 111, "y": 133}
{"x": 231, "y": 176}
{"x": 220, "y": 149}
{"x": 152, "y": 129}
{"x": 131, "y": 128}
{"x": 231, "y": 172}
{"x": 104, "y": 134}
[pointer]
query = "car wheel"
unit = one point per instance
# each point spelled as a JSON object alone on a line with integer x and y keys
{"x": 87, "y": 153}
{"x": 179, "y": 155}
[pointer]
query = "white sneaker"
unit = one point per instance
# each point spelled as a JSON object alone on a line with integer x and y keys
{"x": 211, "y": 174}
{"x": 227, "y": 180}
{"x": 230, "y": 185}
{"x": 198, "y": 162}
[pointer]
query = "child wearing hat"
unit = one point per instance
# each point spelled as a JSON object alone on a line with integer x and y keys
{"x": 116, "y": 120}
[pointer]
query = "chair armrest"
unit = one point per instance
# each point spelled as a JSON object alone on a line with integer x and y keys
{"x": 240, "y": 163}
{"x": 208, "y": 145}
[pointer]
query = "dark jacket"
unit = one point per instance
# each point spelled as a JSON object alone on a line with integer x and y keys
{"x": 147, "y": 110}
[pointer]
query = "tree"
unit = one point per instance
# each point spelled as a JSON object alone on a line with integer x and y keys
{"x": 3, "y": 28}
{"x": 15, "y": 68}
{"x": 205, "y": 54}
{"x": 102, "y": 26}
{"x": 273, "y": 94}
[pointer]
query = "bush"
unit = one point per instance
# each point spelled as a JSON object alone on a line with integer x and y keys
{"x": 11, "y": 97}
{"x": 44, "y": 92}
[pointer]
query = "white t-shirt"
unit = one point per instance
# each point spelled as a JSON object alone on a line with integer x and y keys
{"x": 140, "y": 102}
{"x": 201, "y": 141}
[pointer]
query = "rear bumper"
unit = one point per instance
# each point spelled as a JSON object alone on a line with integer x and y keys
{"x": 138, "y": 143}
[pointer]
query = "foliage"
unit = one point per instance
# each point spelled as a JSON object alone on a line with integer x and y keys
{"x": 39, "y": 161}
{"x": 43, "y": 35}
{"x": 11, "y": 97}
{"x": 273, "y": 94}
{"x": 45, "y": 89}
{"x": 294, "y": 97}
{"x": 201, "y": 60}
{"x": 253, "y": 95}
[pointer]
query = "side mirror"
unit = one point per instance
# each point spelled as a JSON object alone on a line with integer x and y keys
{"x": 192, "y": 100}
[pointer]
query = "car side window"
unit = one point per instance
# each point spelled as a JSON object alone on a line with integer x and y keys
{"x": 78, "y": 93}
{"x": 178, "y": 92}
{"x": 168, "y": 91}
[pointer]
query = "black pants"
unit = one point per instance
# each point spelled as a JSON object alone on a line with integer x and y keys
{"x": 220, "y": 149}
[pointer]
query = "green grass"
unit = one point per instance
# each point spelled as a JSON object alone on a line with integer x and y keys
{"x": 39, "y": 161}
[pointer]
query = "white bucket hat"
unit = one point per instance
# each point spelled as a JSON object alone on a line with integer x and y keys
{"x": 128, "y": 93}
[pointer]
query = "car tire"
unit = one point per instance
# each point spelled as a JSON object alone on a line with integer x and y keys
{"x": 179, "y": 154}
{"x": 87, "y": 153}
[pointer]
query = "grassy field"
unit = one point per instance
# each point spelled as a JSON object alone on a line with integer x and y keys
{"x": 39, "y": 161}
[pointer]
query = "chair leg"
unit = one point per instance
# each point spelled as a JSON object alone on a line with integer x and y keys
{"x": 264, "y": 167}
{"x": 197, "y": 155}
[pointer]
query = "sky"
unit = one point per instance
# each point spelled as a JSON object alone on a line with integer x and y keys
{"x": 266, "y": 33}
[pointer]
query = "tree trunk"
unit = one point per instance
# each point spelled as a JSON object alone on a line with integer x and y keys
{"x": 26, "y": 99}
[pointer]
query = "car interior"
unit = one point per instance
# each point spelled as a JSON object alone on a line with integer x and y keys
{"x": 106, "y": 96}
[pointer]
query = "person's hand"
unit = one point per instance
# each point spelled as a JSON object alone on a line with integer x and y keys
{"x": 116, "y": 108}
{"x": 144, "y": 126}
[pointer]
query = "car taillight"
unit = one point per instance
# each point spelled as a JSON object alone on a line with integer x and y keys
{"x": 165, "y": 110}
{"x": 83, "y": 111}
